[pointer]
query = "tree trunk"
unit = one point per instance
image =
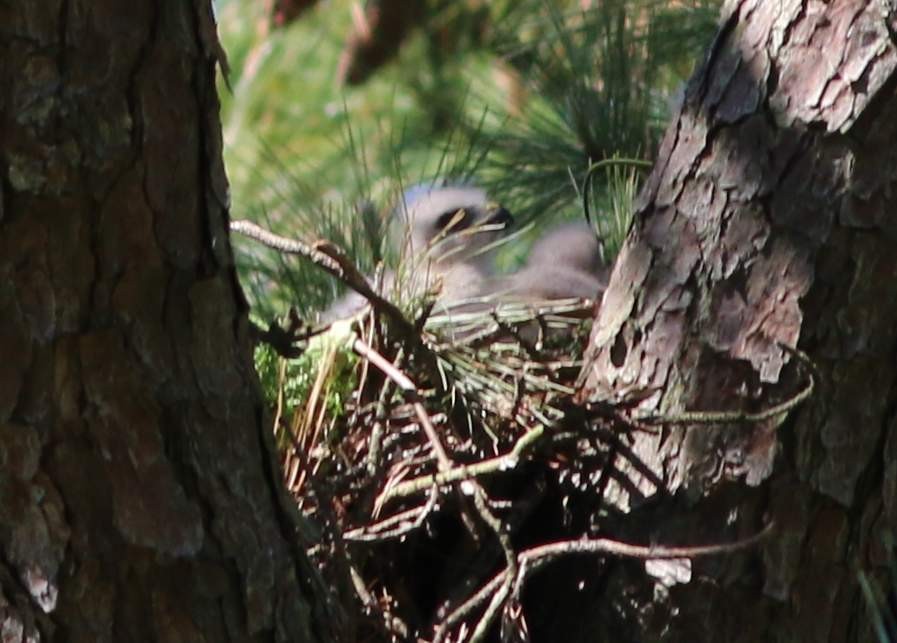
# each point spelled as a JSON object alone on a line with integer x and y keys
{"x": 770, "y": 220}
{"x": 139, "y": 499}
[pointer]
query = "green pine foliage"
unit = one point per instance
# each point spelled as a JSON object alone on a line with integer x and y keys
{"x": 556, "y": 108}
{"x": 288, "y": 383}
{"x": 520, "y": 96}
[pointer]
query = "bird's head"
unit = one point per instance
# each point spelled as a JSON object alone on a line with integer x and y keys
{"x": 451, "y": 224}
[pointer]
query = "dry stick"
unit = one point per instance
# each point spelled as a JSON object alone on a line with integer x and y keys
{"x": 443, "y": 461}
{"x": 362, "y": 379}
{"x": 394, "y": 625}
{"x": 376, "y": 438}
{"x": 445, "y": 465}
{"x": 330, "y": 259}
{"x": 497, "y": 464}
{"x": 735, "y": 417}
{"x": 479, "y": 498}
{"x": 404, "y": 383}
{"x": 537, "y": 557}
{"x": 386, "y": 529}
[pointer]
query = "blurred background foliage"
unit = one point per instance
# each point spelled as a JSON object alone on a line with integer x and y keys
{"x": 336, "y": 106}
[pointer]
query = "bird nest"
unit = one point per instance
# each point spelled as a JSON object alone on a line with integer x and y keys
{"x": 446, "y": 455}
{"x": 471, "y": 395}
{"x": 452, "y": 430}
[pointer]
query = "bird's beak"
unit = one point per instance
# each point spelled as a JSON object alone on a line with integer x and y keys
{"x": 498, "y": 215}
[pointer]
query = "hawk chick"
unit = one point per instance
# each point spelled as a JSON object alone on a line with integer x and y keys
{"x": 566, "y": 262}
{"x": 444, "y": 235}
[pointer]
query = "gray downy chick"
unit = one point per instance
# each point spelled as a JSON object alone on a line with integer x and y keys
{"x": 444, "y": 236}
{"x": 566, "y": 262}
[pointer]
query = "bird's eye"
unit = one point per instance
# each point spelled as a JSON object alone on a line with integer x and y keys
{"x": 457, "y": 218}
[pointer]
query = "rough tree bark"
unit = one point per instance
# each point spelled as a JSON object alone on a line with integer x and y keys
{"x": 770, "y": 219}
{"x": 138, "y": 499}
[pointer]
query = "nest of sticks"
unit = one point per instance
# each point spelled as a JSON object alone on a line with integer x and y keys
{"x": 447, "y": 437}
{"x": 459, "y": 459}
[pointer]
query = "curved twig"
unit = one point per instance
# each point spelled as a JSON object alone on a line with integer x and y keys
{"x": 330, "y": 259}
{"x": 736, "y": 417}
{"x": 587, "y": 184}
{"x": 393, "y": 526}
{"x": 536, "y": 558}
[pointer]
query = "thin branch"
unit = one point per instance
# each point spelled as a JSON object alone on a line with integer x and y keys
{"x": 536, "y": 558}
{"x": 497, "y": 464}
{"x": 410, "y": 390}
{"x": 736, "y": 417}
{"x": 392, "y": 623}
{"x": 330, "y": 259}
{"x": 395, "y": 526}
{"x": 479, "y": 498}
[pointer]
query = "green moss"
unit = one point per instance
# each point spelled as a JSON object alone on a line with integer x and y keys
{"x": 294, "y": 378}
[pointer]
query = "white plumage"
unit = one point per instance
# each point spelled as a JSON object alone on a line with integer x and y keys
{"x": 449, "y": 234}
{"x": 444, "y": 237}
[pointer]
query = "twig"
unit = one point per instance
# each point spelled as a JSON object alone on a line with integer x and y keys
{"x": 507, "y": 547}
{"x": 329, "y": 258}
{"x": 444, "y": 463}
{"x": 386, "y": 528}
{"x": 393, "y": 624}
{"x": 410, "y": 390}
{"x": 536, "y": 558}
{"x": 467, "y": 607}
{"x": 735, "y": 417}
{"x": 376, "y": 437}
{"x": 497, "y": 464}
{"x": 363, "y": 376}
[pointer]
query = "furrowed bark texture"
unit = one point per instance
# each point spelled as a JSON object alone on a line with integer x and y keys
{"x": 770, "y": 218}
{"x": 138, "y": 500}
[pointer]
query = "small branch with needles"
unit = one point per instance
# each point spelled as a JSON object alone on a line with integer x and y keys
{"x": 330, "y": 259}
